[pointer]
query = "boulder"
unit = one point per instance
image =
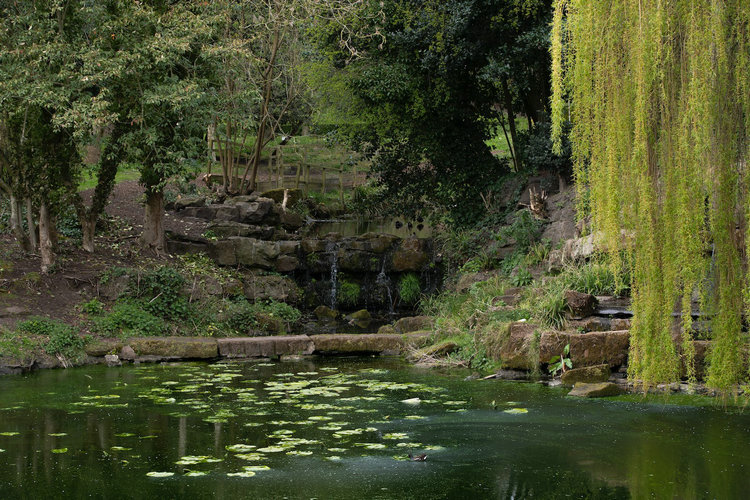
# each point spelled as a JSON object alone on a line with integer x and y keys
{"x": 223, "y": 252}
{"x": 438, "y": 350}
{"x": 112, "y": 360}
{"x": 598, "y": 390}
{"x": 413, "y": 323}
{"x": 255, "y": 253}
{"x": 586, "y": 349}
{"x": 588, "y": 374}
{"x": 262, "y": 347}
{"x": 580, "y": 304}
{"x": 377, "y": 242}
{"x": 386, "y": 329}
{"x": 277, "y": 195}
{"x": 561, "y": 230}
{"x": 279, "y": 288}
{"x": 311, "y": 245}
{"x": 254, "y": 212}
{"x": 410, "y": 255}
{"x": 287, "y": 264}
{"x": 361, "y": 315}
{"x": 325, "y": 313}
{"x": 515, "y": 353}
{"x": 184, "y": 202}
{"x": 357, "y": 261}
{"x": 291, "y": 220}
{"x": 247, "y": 198}
{"x": 103, "y": 347}
{"x": 175, "y": 347}
{"x": 226, "y": 229}
{"x": 127, "y": 353}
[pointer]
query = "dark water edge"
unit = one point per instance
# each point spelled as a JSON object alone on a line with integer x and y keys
{"x": 558, "y": 448}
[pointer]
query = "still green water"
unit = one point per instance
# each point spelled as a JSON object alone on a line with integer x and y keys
{"x": 343, "y": 429}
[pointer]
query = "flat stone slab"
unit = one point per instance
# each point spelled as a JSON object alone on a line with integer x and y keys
{"x": 600, "y": 390}
{"x": 175, "y": 347}
{"x": 358, "y": 343}
{"x": 263, "y": 347}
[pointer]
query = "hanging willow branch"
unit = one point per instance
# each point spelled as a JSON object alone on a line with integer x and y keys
{"x": 659, "y": 97}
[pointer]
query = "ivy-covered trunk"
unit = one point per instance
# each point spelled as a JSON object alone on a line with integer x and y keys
{"x": 88, "y": 228}
{"x": 16, "y": 224}
{"x": 45, "y": 239}
{"x": 153, "y": 222}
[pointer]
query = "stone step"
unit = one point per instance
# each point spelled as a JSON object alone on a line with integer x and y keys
{"x": 261, "y": 347}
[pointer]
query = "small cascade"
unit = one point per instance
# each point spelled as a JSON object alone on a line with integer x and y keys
{"x": 332, "y": 248}
{"x": 382, "y": 280}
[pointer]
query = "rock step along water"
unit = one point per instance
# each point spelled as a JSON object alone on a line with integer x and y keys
{"x": 179, "y": 348}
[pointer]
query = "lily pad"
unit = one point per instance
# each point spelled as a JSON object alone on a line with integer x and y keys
{"x": 516, "y": 411}
{"x": 60, "y": 450}
{"x": 58, "y": 434}
{"x": 240, "y": 448}
{"x": 9, "y": 433}
{"x": 246, "y": 473}
{"x": 196, "y": 473}
{"x": 160, "y": 474}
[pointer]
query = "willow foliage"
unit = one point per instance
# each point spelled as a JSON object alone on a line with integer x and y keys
{"x": 659, "y": 97}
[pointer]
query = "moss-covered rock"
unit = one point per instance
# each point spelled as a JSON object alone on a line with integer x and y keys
{"x": 599, "y": 390}
{"x": 588, "y": 374}
{"x": 371, "y": 343}
{"x": 175, "y": 347}
{"x": 413, "y": 323}
{"x": 325, "y": 313}
{"x": 102, "y": 347}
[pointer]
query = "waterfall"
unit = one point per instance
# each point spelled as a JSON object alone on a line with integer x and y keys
{"x": 384, "y": 281}
{"x": 332, "y": 249}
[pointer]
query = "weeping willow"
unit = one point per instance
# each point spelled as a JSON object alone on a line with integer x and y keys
{"x": 659, "y": 96}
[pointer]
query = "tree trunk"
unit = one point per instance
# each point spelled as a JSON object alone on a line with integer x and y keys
{"x": 30, "y": 222}
{"x": 88, "y": 228}
{"x": 153, "y": 223}
{"x": 45, "y": 239}
{"x": 511, "y": 121}
{"x": 16, "y": 224}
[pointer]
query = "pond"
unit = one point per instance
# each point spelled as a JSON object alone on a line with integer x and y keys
{"x": 342, "y": 428}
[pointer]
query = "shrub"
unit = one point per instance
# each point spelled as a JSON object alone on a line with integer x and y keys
{"x": 129, "y": 319}
{"x": 522, "y": 278}
{"x": 595, "y": 278}
{"x": 93, "y": 306}
{"x": 160, "y": 291}
{"x": 281, "y": 310}
{"x": 550, "y": 309}
{"x": 525, "y": 230}
{"x": 66, "y": 343}
{"x": 409, "y": 288}
{"x": 348, "y": 293}
{"x": 62, "y": 338}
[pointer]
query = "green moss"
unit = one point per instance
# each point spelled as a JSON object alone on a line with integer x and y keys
{"x": 409, "y": 288}
{"x": 348, "y": 293}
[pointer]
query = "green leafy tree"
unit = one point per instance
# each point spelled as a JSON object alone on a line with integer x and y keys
{"x": 427, "y": 94}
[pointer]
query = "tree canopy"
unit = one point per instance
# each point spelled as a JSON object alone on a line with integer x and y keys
{"x": 426, "y": 95}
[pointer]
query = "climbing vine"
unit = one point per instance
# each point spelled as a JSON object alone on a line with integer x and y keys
{"x": 659, "y": 97}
